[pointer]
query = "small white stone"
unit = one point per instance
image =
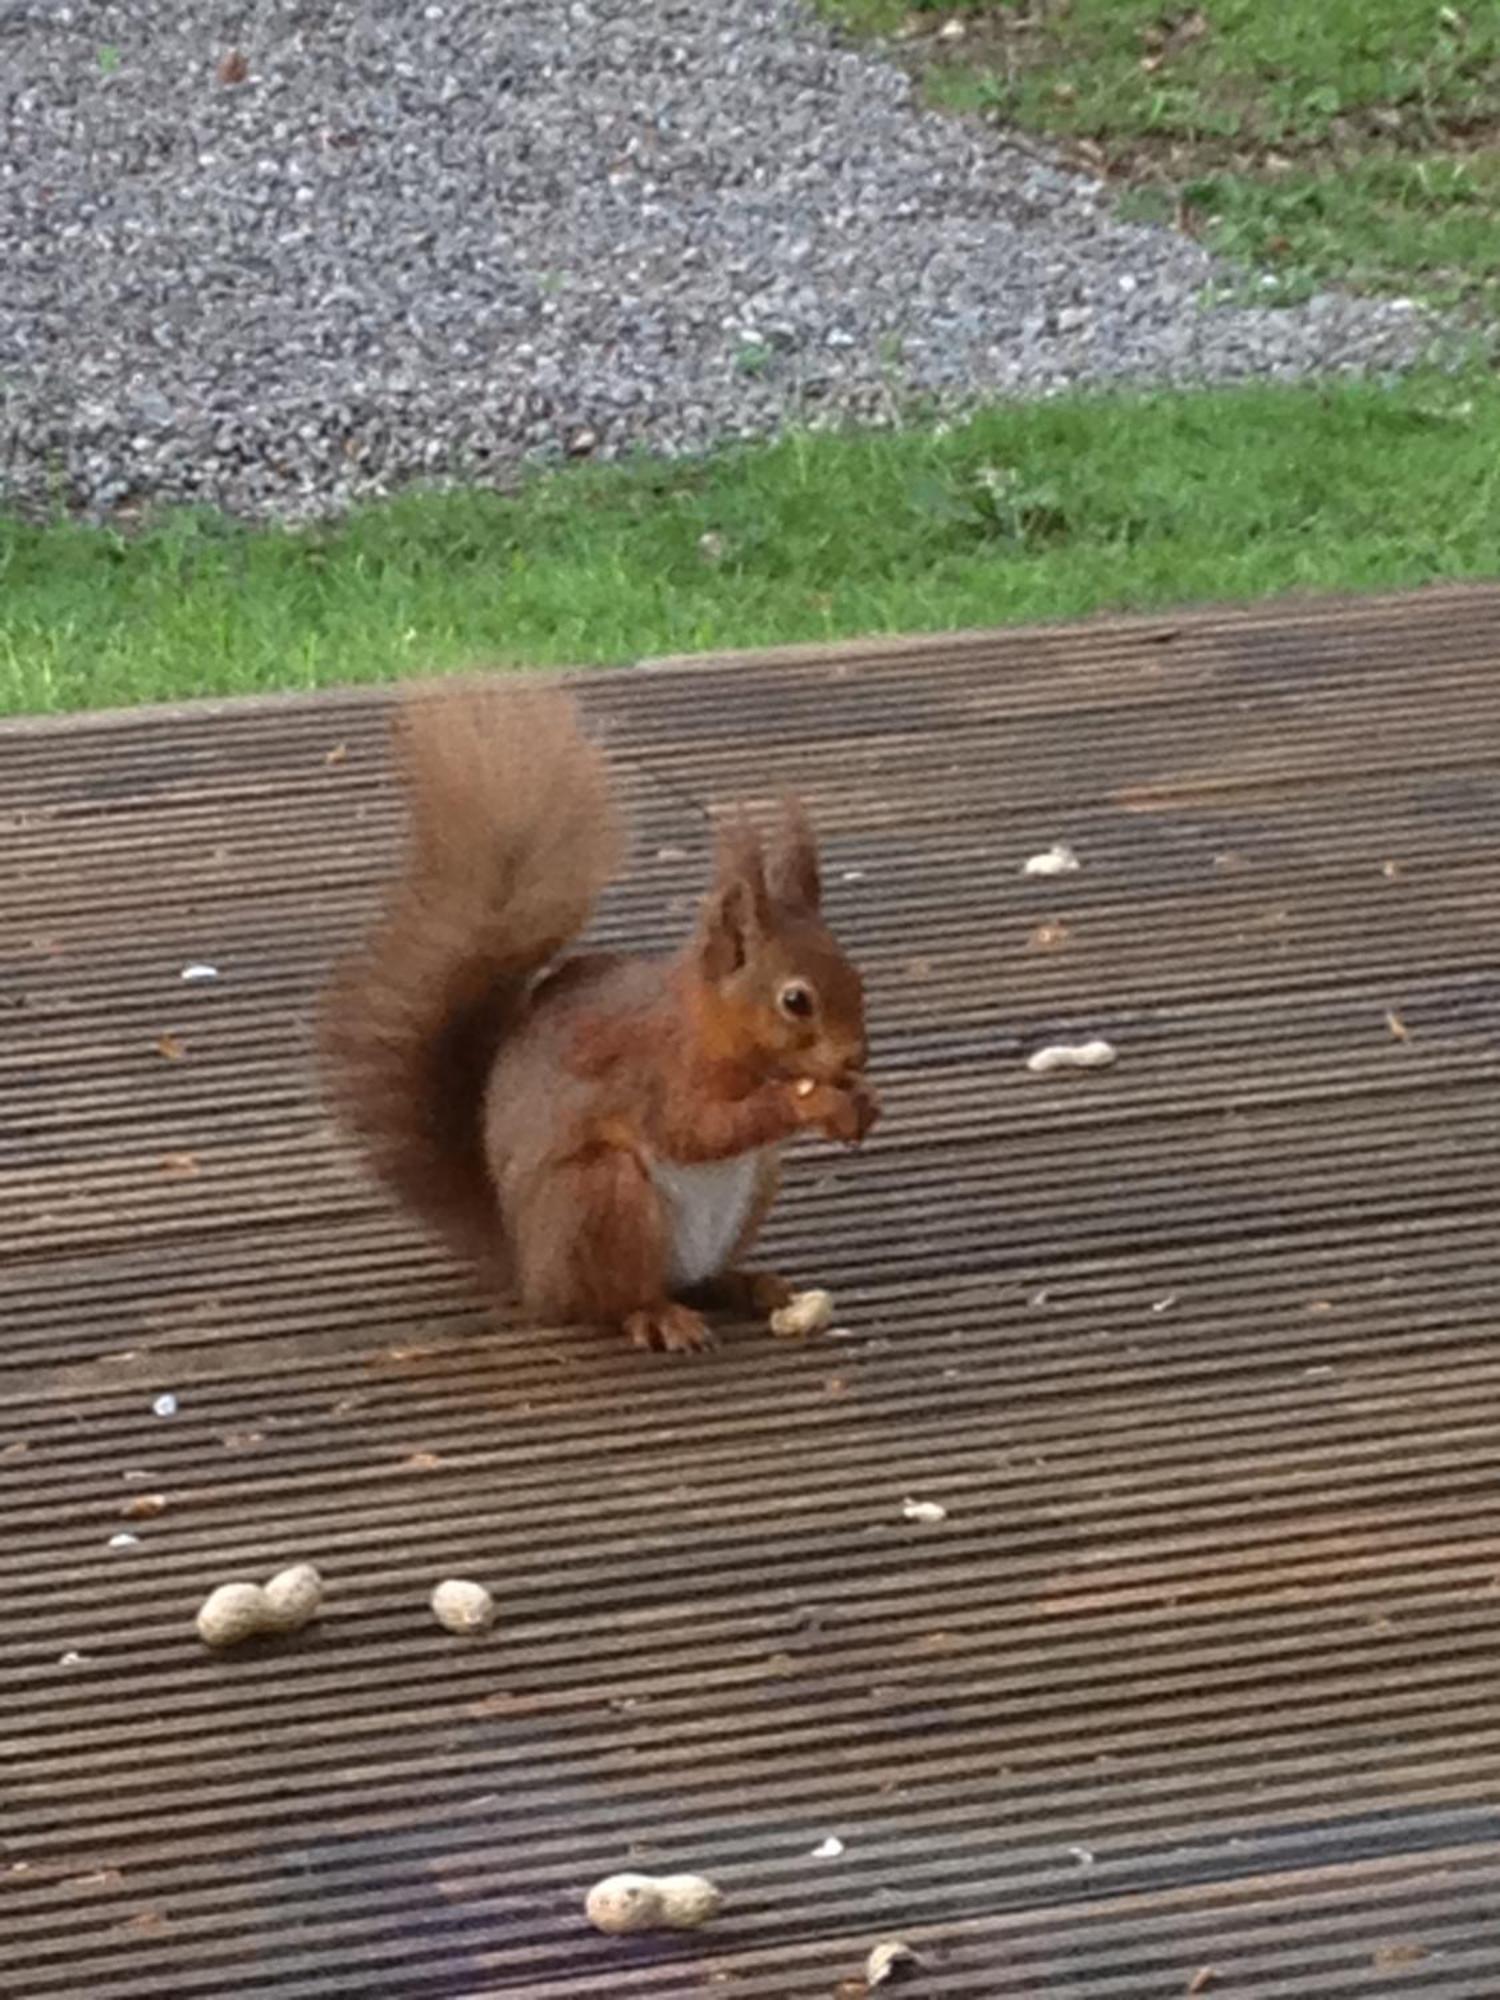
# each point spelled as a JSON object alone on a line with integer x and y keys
{"x": 123, "y": 1540}
{"x": 164, "y": 1406}
{"x": 195, "y": 973}
{"x": 927, "y": 1512}
{"x": 1059, "y": 860}
{"x": 1094, "y": 1054}
{"x": 829, "y": 1849}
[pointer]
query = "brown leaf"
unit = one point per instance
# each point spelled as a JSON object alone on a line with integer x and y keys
{"x": 146, "y": 1923}
{"x": 339, "y": 754}
{"x": 184, "y": 1165}
{"x": 232, "y": 67}
{"x": 1392, "y": 1957}
{"x": 422, "y": 1461}
{"x": 144, "y": 1507}
{"x": 1048, "y": 937}
{"x": 501, "y": 1703}
{"x": 1191, "y": 28}
{"x": 1397, "y": 1026}
{"x": 101, "y": 1878}
{"x": 171, "y": 1046}
{"x": 1201, "y": 1980}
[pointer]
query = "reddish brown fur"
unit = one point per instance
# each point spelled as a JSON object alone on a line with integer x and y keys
{"x": 519, "y": 1115}
{"x": 511, "y": 837}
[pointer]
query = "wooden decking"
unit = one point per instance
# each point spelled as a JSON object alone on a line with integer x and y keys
{"x": 1197, "y": 1688}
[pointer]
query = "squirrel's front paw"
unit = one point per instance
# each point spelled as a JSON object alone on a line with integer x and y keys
{"x": 865, "y": 1109}
{"x": 845, "y": 1112}
{"x": 672, "y": 1328}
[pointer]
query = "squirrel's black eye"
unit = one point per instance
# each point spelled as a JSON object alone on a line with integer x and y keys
{"x": 797, "y": 1000}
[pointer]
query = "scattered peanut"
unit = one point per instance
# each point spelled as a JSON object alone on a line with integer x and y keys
{"x": 625, "y": 1903}
{"x": 237, "y": 1611}
{"x": 687, "y": 1901}
{"x": 293, "y": 1597}
{"x": 463, "y": 1607}
{"x": 233, "y": 1612}
{"x": 804, "y": 1315}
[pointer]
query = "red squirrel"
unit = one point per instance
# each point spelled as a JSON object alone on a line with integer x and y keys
{"x": 598, "y": 1133}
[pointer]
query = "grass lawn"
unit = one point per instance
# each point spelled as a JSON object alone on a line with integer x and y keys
{"x": 1029, "y": 511}
{"x": 1349, "y": 140}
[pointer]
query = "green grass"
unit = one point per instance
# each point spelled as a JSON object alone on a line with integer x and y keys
{"x": 1029, "y": 511}
{"x": 1349, "y": 140}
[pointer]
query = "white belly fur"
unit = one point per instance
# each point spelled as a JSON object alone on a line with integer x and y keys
{"x": 707, "y": 1208}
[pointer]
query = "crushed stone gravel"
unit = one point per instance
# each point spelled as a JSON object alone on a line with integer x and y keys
{"x": 291, "y": 253}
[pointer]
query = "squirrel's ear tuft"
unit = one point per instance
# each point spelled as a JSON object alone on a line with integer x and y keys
{"x": 796, "y": 880}
{"x": 737, "y": 915}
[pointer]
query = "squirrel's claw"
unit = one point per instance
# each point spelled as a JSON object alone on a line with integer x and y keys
{"x": 673, "y": 1329}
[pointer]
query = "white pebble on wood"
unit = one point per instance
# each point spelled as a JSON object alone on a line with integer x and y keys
{"x": 1094, "y": 1054}
{"x": 1059, "y": 860}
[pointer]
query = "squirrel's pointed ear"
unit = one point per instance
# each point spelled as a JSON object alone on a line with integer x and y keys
{"x": 737, "y": 913}
{"x": 796, "y": 881}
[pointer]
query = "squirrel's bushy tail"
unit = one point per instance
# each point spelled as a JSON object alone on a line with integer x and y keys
{"x": 512, "y": 835}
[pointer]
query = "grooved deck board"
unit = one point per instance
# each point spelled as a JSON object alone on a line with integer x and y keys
{"x": 1198, "y": 1686}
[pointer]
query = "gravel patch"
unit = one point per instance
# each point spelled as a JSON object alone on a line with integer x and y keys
{"x": 284, "y": 256}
